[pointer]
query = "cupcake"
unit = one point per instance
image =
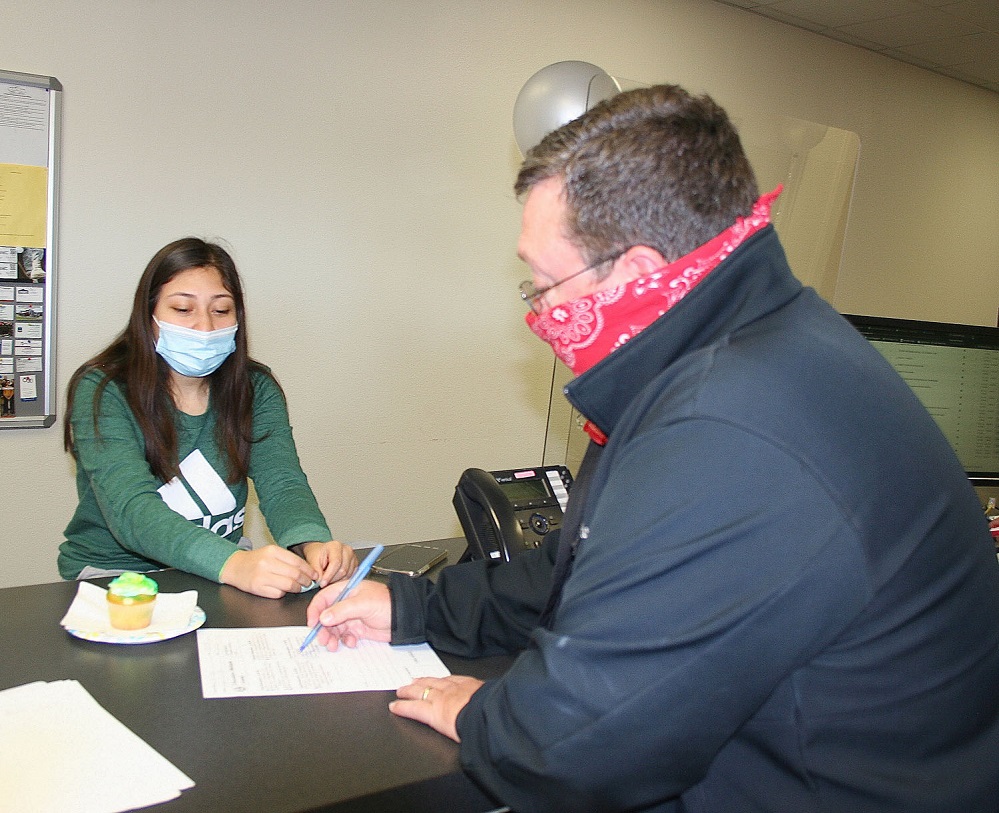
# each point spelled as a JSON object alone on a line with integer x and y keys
{"x": 131, "y": 597}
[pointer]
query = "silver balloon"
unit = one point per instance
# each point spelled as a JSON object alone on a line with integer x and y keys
{"x": 556, "y": 95}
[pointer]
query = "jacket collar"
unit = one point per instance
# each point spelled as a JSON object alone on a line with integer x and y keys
{"x": 754, "y": 281}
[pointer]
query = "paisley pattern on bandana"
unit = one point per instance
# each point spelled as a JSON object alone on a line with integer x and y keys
{"x": 586, "y": 330}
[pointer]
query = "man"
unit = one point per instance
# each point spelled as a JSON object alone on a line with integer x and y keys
{"x": 774, "y": 588}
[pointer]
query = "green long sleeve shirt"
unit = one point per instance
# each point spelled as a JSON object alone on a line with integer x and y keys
{"x": 130, "y": 519}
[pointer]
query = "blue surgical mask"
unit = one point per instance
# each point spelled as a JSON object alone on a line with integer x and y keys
{"x": 195, "y": 353}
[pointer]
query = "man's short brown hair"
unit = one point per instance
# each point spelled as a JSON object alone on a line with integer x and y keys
{"x": 654, "y": 166}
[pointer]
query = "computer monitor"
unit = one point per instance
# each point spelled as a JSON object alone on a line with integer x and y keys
{"x": 954, "y": 371}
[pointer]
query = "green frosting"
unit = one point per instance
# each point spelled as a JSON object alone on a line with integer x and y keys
{"x": 133, "y": 584}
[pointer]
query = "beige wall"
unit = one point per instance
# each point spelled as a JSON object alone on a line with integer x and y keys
{"x": 358, "y": 155}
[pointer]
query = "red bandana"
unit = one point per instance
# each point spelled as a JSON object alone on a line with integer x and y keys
{"x": 585, "y": 331}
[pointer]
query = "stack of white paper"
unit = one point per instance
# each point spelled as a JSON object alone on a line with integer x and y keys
{"x": 59, "y": 751}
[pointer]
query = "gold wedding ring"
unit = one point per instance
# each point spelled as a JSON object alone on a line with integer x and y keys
{"x": 426, "y": 693}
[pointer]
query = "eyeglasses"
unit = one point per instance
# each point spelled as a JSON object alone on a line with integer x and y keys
{"x": 531, "y": 294}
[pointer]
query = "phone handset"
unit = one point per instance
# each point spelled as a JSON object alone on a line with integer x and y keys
{"x": 487, "y": 517}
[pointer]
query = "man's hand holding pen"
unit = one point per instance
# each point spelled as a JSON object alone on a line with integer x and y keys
{"x": 367, "y": 613}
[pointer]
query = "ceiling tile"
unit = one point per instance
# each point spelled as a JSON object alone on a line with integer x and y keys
{"x": 845, "y": 12}
{"x": 957, "y": 38}
{"x": 985, "y": 15}
{"x": 896, "y": 32}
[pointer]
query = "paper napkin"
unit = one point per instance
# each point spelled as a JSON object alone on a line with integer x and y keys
{"x": 89, "y": 611}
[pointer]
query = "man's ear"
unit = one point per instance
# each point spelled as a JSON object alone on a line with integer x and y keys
{"x": 637, "y": 261}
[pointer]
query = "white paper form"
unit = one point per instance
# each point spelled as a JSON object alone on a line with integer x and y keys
{"x": 60, "y": 750}
{"x": 265, "y": 661}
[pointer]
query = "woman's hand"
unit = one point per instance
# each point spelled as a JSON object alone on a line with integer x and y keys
{"x": 332, "y": 560}
{"x": 269, "y": 571}
{"x": 365, "y": 613}
{"x": 436, "y": 702}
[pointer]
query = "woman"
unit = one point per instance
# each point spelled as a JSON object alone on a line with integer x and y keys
{"x": 168, "y": 423}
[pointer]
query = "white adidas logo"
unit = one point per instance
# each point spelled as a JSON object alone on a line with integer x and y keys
{"x": 208, "y": 487}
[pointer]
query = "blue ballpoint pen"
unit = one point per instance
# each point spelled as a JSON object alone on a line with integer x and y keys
{"x": 359, "y": 574}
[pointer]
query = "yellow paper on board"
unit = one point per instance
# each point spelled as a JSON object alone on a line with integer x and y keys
{"x": 23, "y": 205}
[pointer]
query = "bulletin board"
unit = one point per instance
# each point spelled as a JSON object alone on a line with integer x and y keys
{"x": 30, "y": 120}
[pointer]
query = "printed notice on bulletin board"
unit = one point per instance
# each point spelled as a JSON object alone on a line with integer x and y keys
{"x": 29, "y": 166}
{"x": 23, "y": 205}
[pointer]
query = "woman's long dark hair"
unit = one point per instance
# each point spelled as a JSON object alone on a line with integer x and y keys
{"x": 131, "y": 361}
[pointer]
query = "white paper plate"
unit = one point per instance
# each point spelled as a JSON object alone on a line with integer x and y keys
{"x": 111, "y": 636}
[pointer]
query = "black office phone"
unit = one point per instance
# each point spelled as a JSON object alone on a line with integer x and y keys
{"x": 504, "y": 513}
